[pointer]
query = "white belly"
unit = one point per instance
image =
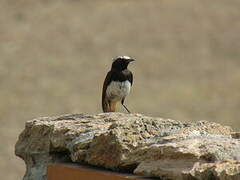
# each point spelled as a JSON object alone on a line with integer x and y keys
{"x": 116, "y": 90}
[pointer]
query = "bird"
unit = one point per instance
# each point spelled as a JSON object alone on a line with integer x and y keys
{"x": 117, "y": 84}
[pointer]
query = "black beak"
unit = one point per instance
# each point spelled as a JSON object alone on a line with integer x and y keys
{"x": 131, "y": 60}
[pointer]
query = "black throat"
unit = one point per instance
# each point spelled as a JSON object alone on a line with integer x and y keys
{"x": 119, "y": 66}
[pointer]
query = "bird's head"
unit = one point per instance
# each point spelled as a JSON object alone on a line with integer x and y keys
{"x": 121, "y": 62}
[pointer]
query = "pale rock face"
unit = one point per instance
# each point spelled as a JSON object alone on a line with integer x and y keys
{"x": 148, "y": 146}
{"x": 116, "y": 90}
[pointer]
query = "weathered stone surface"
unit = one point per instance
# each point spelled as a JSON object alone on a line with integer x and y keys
{"x": 189, "y": 170}
{"x": 112, "y": 148}
{"x": 222, "y": 170}
{"x": 131, "y": 142}
{"x": 177, "y": 159}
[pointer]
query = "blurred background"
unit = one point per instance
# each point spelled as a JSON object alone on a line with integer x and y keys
{"x": 54, "y": 55}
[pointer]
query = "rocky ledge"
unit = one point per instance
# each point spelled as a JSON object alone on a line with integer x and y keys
{"x": 148, "y": 146}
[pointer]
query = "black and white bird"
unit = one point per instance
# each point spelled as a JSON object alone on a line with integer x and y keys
{"x": 117, "y": 84}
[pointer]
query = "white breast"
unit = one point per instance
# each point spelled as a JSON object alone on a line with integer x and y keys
{"x": 116, "y": 90}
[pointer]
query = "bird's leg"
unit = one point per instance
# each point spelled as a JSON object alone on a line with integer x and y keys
{"x": 126, "y": 108}
{"x": 113, "y": 106}
{"x": 122, "y": 102}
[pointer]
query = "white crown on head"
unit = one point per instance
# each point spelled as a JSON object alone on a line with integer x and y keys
{"x": 121, "y": 57}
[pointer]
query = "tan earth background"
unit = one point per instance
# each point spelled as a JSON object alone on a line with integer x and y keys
{"x": 54, "y": 55}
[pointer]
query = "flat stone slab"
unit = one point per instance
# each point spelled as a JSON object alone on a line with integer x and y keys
{"x": 133, "y": 143}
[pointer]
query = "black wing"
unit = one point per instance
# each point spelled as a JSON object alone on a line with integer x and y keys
{"x": 127, "y": 75}
{"x": 131, "y": 77}
{"x": 107, "y": 81}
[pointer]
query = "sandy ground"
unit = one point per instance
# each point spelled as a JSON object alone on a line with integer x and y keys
{"x": 54, "y": 55}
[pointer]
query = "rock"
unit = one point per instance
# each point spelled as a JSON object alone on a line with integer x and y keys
{"x": 190, "y": 170}
{"x": 113, "y": 148}
{"x": 46, "y": 138}
{"x": 222, "y": 170}
{"x": 136, "y": 143}
{"x": 178, "y": 159}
